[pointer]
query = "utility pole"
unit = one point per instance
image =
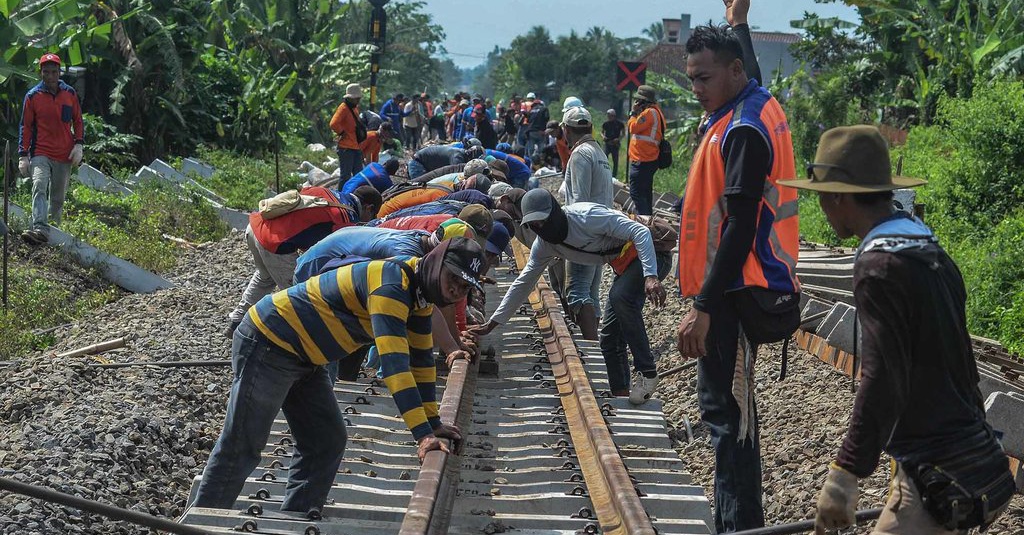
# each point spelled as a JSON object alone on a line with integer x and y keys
{"x": 376, "y": 34}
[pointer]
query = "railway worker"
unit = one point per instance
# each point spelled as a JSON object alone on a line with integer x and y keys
{"x": 554, "y": 129}
{"x": 588, "y": 178}
{"x": 475, "y": 215}
{"x": 918, "y": 399}
{"x": 375, "y": 140}
{"x": 647, "y": 128}
{"x": 456, "y": 122}
{"x": 346, "y": 125}
{"x": 275, "y": 243}
{"x": 590, "y": 233}
{"x": 424, "y": 193}
{"x": 484, "y": 129}
{"x": 278, "y": 356}
{"x": 377, "y": 244}
{"x": 374, "y": 174}
{"x": 437, "y": 156}
{"x": 611, "y": 134}
{"x": 392, "y": 111}
{"x": 518, "y": 171}
{"x": 50, "y": 141}
{"x": 738, "y": 242}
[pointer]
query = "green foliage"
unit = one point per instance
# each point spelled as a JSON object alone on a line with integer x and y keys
{"x": 107, "y": 149}
{"x": 36, "y": 303}
{"x": 132, "y": 227}
{"x": 243, "y": 181}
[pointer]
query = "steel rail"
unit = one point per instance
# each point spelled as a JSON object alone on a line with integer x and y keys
{"x": 433, "y": 497}
{"x": 92, "y": 506}
{"x": 616, "y": 501}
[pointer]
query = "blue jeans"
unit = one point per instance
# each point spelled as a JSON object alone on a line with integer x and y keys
{"x": 641, "y": 186}
{"x": 583, "y": 283}
{"x": 268, "y": 379}
{"x": 623, "y": 324}
{"x": 737, "y": 463}
{"x": 350, "y": 162}
{"x": 416, "y": 169}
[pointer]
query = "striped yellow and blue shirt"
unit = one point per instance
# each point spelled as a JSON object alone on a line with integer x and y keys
{"x": 329, "y": 316}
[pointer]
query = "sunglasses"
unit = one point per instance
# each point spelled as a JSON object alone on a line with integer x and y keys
{"x": 827, "y": 166}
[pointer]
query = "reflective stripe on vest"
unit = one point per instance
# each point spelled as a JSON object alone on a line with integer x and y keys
{"x": 772, "y": 259}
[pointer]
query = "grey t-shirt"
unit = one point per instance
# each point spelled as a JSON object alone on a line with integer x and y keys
{"x": 588, "y": 177}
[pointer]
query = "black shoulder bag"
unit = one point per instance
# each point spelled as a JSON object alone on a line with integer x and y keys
{"x": 664, "y": 148}
{"x": 360, "y": 127}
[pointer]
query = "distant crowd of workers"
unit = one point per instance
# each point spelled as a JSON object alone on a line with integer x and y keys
{"x": 365, "y": 270}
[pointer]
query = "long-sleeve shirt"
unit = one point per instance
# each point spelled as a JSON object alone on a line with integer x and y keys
{"x": 343, "y": 123}
{"x": 392, "y": 111}
{"x": 588, "y": 177}
{"x": 51, "y": 123}
{"x": 332, "y": 315}
{"x": 592, "y": 227}
{"x": 437, "y": 156}
{"x": 367, "y": 242}
{"x": 518, "y": 171}
{"x": 918, "y": 398}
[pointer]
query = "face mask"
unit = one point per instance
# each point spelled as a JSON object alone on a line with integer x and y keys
{"x": 556, "y": 228}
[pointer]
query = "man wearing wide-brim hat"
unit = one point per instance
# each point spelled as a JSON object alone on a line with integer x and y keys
{"x": 919, "y": 399}
{"x": 647, "y": 128}
{"x": 346, "y": 125}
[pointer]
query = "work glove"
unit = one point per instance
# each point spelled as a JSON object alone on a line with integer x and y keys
{"x": 24, "y": 166}
{"x": 76, "y": 154}
{"x": 837, "y": 501}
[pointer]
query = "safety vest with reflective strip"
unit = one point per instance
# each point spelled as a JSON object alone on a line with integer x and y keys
{"x": 772, "y": 260}
{"x": 645, "y": 130}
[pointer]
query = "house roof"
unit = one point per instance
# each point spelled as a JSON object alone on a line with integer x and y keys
{"x": 666, "y": 58}
{"x": 774, "y": 37}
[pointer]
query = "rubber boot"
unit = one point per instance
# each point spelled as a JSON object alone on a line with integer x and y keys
{"x": 586, "y": 318}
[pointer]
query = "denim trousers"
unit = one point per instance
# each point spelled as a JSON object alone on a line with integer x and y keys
{"x": 623, "y": 324}
{"x": 49, "y": 188}
{"x": 737, "y": 462}
{"x": 268, "y": 379}
{"x": 415, "y": 169}
{"x": 583, "y": 285}
{"x": 641, "y": 186}
{"x": 273, "y": 271}
{"x": 350, "y": 162}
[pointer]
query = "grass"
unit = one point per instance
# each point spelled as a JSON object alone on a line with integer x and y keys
{"x": 46, "y": 291}
{"x": 36, "y": 303}
{"x": 243, "y": 181}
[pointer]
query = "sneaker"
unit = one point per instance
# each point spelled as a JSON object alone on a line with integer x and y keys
{"x": 641, "y": 388}
{"x": 34, "y": 236}
{"x": 229, "y": 332}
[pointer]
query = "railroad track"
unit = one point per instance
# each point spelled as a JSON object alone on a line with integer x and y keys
{"x": 547, "y": 451}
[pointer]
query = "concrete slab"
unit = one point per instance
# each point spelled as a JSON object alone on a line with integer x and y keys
{"x": 189, "y": 165}
{"x": 173, "y": 174}
{"x": 116, "y": 270}
{"x": 813, "y": 307}
{"x": 1004, "y": 412}
{"x": 95, "y": 179}
{"x": 234, "y": 218}
{"x": 842, "y": 334}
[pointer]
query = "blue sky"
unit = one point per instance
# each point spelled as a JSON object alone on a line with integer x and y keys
{"x": 471, "y": 37}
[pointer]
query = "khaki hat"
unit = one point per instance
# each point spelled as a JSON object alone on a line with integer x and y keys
{"x": 852, "y": 159}
{"x": 646, "y": 92}
{"x": 354, "y": 91}
{"x": 479, "y": 219}
{"x": 576, "y": 117}
{"x": 499, "y": 170}
{"x": 475, "y": 167}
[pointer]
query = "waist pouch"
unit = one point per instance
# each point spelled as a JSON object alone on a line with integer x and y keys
{"x": 965, "y": 491}
{"x": 767, "y": 315}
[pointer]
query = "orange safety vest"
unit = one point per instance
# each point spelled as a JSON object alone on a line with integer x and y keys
{"x": 645, "y": 130}
{"x": 772, "y": 260}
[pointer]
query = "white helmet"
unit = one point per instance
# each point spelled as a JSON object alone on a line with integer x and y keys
{"x": 571, "y": 102}
{"x": 531, "y": 95}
